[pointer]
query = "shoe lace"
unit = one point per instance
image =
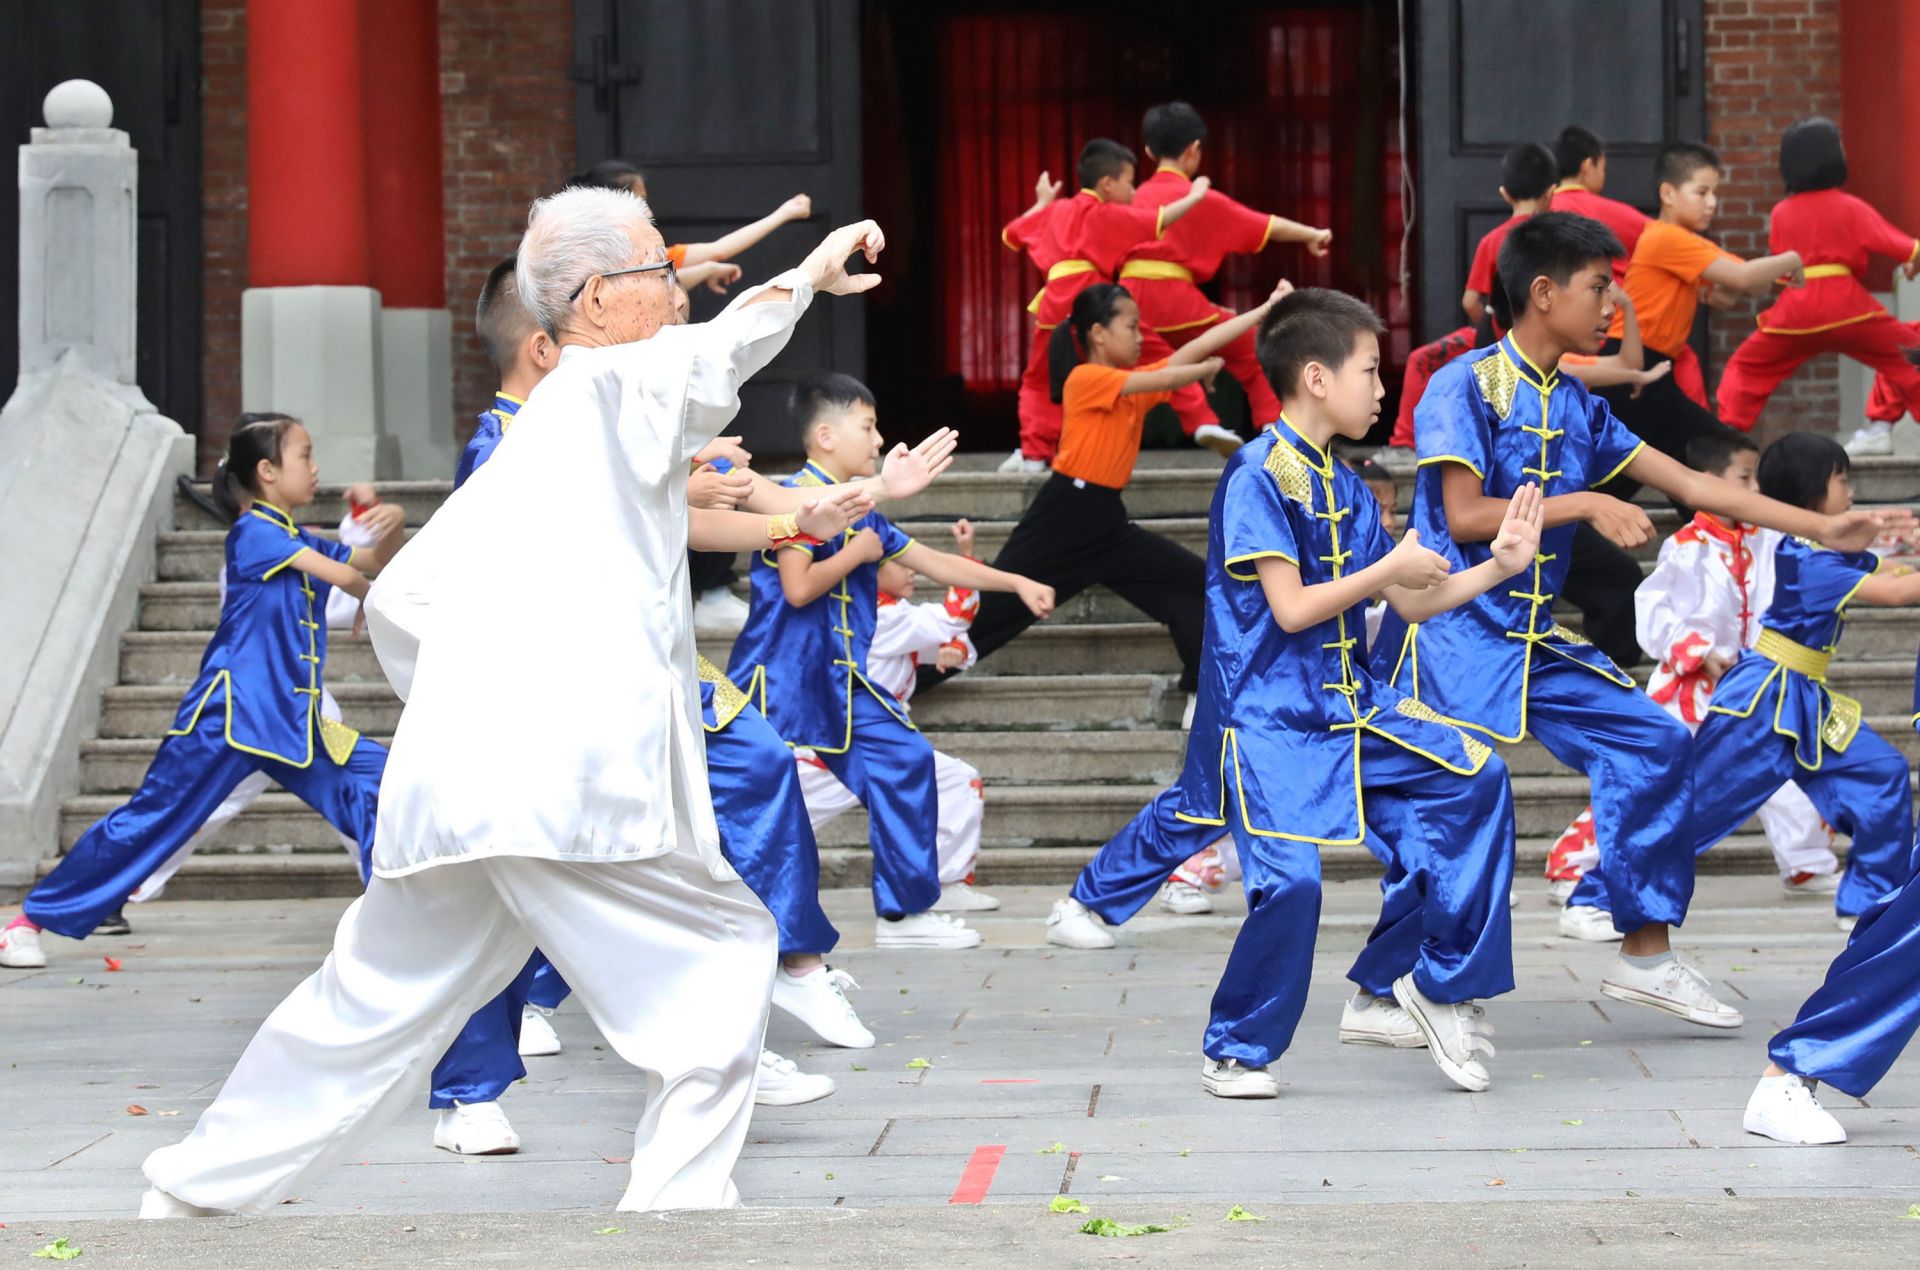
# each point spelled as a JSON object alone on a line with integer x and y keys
{"x": 1680, "y": 973}
{"x": 840, "y": 981}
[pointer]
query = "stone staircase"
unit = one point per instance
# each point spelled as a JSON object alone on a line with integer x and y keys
{"x": 1073, "y": 726}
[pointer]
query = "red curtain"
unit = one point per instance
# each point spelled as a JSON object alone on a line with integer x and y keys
{"x": 1301, "y": 103}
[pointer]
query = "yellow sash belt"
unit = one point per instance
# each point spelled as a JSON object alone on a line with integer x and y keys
{"x": 1060, "y": 269}
{"x": 1780, "y": 650}
{"x": 1155, "y": 269}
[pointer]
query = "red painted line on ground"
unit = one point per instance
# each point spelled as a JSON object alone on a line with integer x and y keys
{"x": 1013, "y": 1080}
{"x": 977, "y": 1178}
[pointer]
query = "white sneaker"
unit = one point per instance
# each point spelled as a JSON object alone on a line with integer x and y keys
{"x": 1184, "y": 898}
{"x": 475, "y": 1128}
{"x": 1020, "y": 463}
{"x": 537, "y": 1037}
{"x": 1226, "y": 1078}
{"x": 924, "y": 930}
{"x": 1875, "y": 437}
{"x": 1673, "y": 987}
{"x": 960, "y": 897}
{"x": 20, "y": 949}
{"x": 1186, "y": 715}
{"x": 1453, "y": 1031}
{"x": 1560, "y": 892}
{"x": 1072, "y": 924}
{"x": 1583, "y": 921}
{"x": 719, "y": 610}
{"x": 1784, "y": 1108}
{"x": 1847, "y": 921}
{"x": 781, "y": 1083}
{"x": 819, "y": 1000}
{"x": 1810, "y": 886}
{"x": 1216, "y": 438}
{"x": 1370, "y": 1020}
{"x": 156, "y": 1204}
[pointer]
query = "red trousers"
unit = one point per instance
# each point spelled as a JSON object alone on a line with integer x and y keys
{"x": 1190, "y": 403}
{"x": 1764, "y": 359}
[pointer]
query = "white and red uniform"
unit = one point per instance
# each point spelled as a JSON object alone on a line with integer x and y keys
{"x": 1706, "y": 595}
{"x": 906, "y": 636}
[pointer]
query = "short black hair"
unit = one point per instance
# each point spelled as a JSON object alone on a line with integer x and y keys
{"x": 1811, "y": 156}
{"x": 499, "y": 318}
{"x": 817, "y": 394}
{"x": 1680, "y": 160}
{"x": 609, "y": 174}
{"x": 1574, "y": 147}
{"x": 1100, "y": 157}
{"x": 1527, "y": 171}
{"x": 1313, "y": 324}
{"x": 1171, "y": 127}
{"x": 1713, "y": 450}
{"x": 1797, "y": 468}
{"x": 1556, "y": 245}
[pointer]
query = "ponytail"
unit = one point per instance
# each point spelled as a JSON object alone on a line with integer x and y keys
{"x": 258, "y": 439}
{"x": 1097, "y": 305}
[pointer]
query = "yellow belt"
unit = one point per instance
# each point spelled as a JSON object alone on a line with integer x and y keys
{"x": 1827, "y": 271}
{"x": 1155, "y": 269}
{"x": 1781, "y": 651}
{"x": 1060, "y": 269}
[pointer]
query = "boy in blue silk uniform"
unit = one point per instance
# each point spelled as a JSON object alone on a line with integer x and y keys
{"x": 1488, "y": 423}
{"x": 802, "y": 660}
{"x": 1295, "y": 745}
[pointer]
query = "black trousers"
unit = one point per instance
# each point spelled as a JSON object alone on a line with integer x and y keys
{"x": 709, "y": 569}
{"x": 1662, "y": 416}
{"x": 1601, "y": 580}
{"x": 1073, "y": 537}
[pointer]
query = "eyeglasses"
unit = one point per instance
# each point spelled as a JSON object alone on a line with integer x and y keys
{"x": 673, "y": 276}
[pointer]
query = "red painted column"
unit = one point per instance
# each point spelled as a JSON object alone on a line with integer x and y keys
{"x": 401, "y": 100}
{"x": 1880, "y": 97}
{"x": 306, "y": 166}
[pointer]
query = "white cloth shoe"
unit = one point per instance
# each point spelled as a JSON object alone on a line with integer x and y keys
{"x": 537, "y": 1037}
{"x": 1018, "y": 462}
{"x": 1672, "y": 987}
{"x": 1369, "y": 1020}
{"x": 156, "y": 1204}
{"x": 719, "y": 610}
{"x": 1785, "y": 1109}
{"x": 1559, "y": 892}
{"x": 819, "y": 1000}
{"x": 1875, "y": 437}
{"x": 1454, "y": 1033}
{"x": 1583, "y": 921}
{"x": 961, "y": 897}
{"x": 924, "y": 930}
{"x": 1184, "y": 898}
{"x": 1811, "y": 886}
{"x": 1072, "y": 924}
{"x": 781, "y": 1083}
{"x": 1186, "y": 715}
{"x": 1216, "y": 438}
{"x": 475, "y": 1128}
{"x": 1226, "y": 1078}
{"x": 20, "y": 949}
{"x": 1847, "y": 921}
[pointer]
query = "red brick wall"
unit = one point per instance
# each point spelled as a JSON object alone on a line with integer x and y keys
{"x": 507, "y": 109}
{"x": 223, "y": 186}
{"x": 1769, "y": 62}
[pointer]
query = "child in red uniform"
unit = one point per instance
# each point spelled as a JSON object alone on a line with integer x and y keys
{"x": 1165, "y": 274}
{"x": 1526, "y": 182}
{"x": 1834, "y": 234}
{"x": 1581, "y": 159}
{"x": 1077, "y": 242}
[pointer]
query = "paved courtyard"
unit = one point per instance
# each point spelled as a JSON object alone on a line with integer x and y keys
{"x": 1006, "y": 1076}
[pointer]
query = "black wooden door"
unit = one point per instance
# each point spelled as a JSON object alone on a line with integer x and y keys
{"x": 146, "y": 54}
{"x": 730, "y": 107}
{"x": 1492, "y": 73}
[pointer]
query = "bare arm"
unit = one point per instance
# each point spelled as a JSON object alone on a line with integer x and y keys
{"x": 1890, "y": 588}
{"x": 1221, "y": 334}
{"x": 337, "y": 573}
{"x": 804, "y": 579}
{"x": 1757, "y": 276}
{"x": 951, "y": 570}
{"x": 388, "y": 522}
{"x": 1474, "y": 305}
{"x": 727, "y": 246}
{"x": 1849, "y": 531}
{"x": 1282, "y": 230}
{"x": 826, "y": 513}
{"x": 1168, "y": 378}
{"x": 1474, "y": 516}
{"x": 1045, "y": 190}
{"x": 1185, "y": 203}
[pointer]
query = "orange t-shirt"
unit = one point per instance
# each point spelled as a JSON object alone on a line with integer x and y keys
{"x": 1100, "y": 425}
{"x": 1663, "y": 281}
{"x": 678, "y": 255}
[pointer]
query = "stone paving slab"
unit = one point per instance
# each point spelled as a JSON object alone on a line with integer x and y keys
{"x": 1031, "y": 1046}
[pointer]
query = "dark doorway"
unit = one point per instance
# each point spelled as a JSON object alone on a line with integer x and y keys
{"x": 1493, "y": 73}
{"x": 146, "y": 54}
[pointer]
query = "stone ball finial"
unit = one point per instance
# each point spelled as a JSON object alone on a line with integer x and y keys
{"x": 78, "y": 103}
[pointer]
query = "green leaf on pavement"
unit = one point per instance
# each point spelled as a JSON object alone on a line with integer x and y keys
{"x": 1185, "y": 1152}
{"x": 59, "y": 1250}
{"x": 1237, "y": 1213}
{"x": 1066, "y": 1204}
{"x": 1913, "y": 1213}
{"x": 611, "y": 1230}
{"x": 1117, "y": 1230}
{"x": 1574, "y": 1122}
{"x": 1055, "y": 1149}
{"x": 915, "y": 1064}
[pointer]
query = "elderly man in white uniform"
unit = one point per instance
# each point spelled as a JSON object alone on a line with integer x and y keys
{"x": 548, "y": 781}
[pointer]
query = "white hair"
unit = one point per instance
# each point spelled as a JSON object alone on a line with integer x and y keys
{"x": 571, "y": 236}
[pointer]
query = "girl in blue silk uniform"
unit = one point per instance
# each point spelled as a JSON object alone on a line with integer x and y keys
{"x": 256, "y": 703}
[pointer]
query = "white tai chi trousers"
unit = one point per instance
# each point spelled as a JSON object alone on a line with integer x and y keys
{"x": 961, "y": 804}
{"x": 675, "y": 968}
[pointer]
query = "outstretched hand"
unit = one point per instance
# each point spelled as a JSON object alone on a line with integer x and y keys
{"x": 826, "y": 267}
{"x": 1519, "y": 538}
{"x": 829, "y": 515}
{"x": 1856, "y": 530}
{"x": 908, "y": 471}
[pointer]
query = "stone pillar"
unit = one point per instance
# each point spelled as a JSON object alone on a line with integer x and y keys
{"x": 86, "y": 466}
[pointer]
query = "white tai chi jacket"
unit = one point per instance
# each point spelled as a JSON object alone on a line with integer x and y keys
{"x": 564, "y": 724}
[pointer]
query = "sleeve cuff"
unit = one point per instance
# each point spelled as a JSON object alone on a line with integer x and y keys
{"x": 1453, "y": 458}
{"x": 1250, "y": 575}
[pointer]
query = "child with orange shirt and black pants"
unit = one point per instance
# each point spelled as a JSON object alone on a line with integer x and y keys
{"x": 1076, "y": 532}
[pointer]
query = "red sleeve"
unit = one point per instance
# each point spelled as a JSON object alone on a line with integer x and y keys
{"x": 1022, "y": 230}
{"x": 1480, "y": 276}
{"x": 1229, "y": 225}
{"x": 1879, "y": 236}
